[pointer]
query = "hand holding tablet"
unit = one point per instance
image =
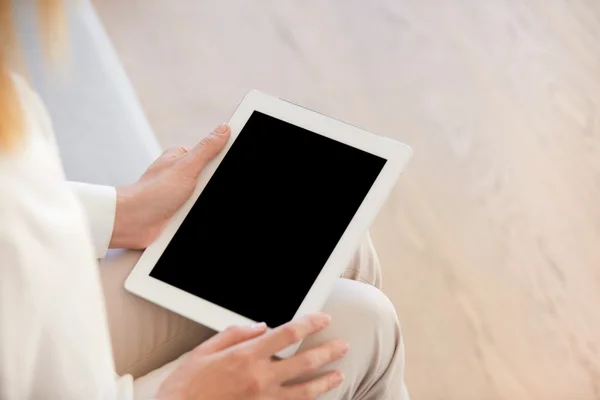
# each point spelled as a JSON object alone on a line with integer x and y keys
{"x": 274, "y": 220}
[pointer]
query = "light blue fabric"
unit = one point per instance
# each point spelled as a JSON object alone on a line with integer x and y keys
{"x": 103, "y": 134}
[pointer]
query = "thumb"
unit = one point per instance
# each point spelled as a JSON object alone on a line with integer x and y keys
{"x": 230, "y": 337}
{"x": 208, "y": 148}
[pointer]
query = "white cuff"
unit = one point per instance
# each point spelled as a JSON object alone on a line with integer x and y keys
{"x": 100, "y": 204}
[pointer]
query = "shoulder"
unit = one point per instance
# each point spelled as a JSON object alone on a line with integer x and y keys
{"x": 34, "y": 111}
{"x": 34, "y": 166}
{"x": 37, "y": 132}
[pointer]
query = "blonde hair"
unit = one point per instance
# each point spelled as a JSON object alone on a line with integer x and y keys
{"x": 53, "y": 33}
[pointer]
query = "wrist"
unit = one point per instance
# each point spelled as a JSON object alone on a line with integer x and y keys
{"x": 127, "y": 227}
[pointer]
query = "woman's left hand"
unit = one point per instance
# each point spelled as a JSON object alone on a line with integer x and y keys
{"x": 145, "y": 207}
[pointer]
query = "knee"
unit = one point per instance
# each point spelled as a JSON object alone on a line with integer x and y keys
{"x": 362, "y": 315}
{"x": 365, "y": 317}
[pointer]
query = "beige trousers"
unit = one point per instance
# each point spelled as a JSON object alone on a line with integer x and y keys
{"x": 148, "y": 340}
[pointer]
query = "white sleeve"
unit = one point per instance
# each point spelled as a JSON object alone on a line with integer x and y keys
{"x": 99, "y": 203}
{"x": 54, "y": 338}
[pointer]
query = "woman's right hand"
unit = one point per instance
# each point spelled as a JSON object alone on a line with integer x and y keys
{"x": 238, "y": 364}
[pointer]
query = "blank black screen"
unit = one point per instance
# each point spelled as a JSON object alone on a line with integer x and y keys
{"x": 268, "y": 219}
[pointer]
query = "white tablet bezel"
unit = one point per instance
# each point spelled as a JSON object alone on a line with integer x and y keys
{"x": 218, "y": 318}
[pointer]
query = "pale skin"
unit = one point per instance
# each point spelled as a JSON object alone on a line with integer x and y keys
{"x": 239, "y": 363}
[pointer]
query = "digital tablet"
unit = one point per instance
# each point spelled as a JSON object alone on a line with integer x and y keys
{"x": 274, "y": 220}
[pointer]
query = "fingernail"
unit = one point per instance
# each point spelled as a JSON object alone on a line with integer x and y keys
{"x": 258, "y": 326}
{"x": 343, "y": 348}
{"x": 322, "y": 319}
{"x": 221, "y": 129}
{"x": 337, "y": 379}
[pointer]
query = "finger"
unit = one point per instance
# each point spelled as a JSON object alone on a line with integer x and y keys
{"x": 292, "y": 332}
{"x": 310, "y": 361}
{"x": 175, "y": 151}
{"x": 313, "y": 388}
{"x": 230, "y": 337}
{"x": 208, "y": 148}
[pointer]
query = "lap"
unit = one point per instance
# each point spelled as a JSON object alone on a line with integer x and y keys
{"x": 361, "y": 315}
{"x": 145, "y": 337}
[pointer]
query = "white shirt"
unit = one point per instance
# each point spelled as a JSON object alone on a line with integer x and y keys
{"x": 54, "y": 339}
